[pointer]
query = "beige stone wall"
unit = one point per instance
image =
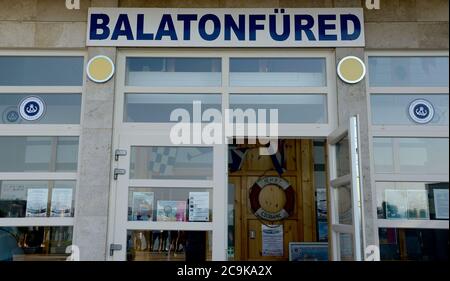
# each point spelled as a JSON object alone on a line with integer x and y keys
{"x": 412, "y": 24}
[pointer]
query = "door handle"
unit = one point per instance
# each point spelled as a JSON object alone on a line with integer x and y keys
{"x": 118, "y": 172}
{"x": 114, "y": 247}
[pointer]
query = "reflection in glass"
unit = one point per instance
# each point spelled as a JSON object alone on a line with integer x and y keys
{"x": 37, "y": 199}
{"x": 167, "y": 204}
{"x": 343, "y": 157}
{"x": 344, "y": 204}
{"x": 291, "y": 108}
{"x": 59, "y": 109}
{"x": 41, "y": 71}
{"x": 39, "y": 154}
{"x": 173, "y": 72}
{"x": 412, "y": 200}
{"x": 411, "y": 155}
{"x": 165, "y": 245}
{"x": 392, "y": 109}
{"x": 158, "y": 107}
{"x": 413, "y": 244}
{"x": 284, "y": 72}
{"x": 408, "y": 71}
{"x": 346, "y": 247}
{"x": 35, "y": 243}
{"x": 171, "y": 162}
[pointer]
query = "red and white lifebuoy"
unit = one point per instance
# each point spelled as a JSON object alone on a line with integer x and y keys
{"x": 255, "y": 205}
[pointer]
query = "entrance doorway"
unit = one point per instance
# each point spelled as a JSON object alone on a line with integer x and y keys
{"x": 300, "y": 164}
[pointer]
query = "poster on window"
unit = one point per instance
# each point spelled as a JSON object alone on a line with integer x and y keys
{"x": 37, "y": 199}
{"x": 418, "y": 205}
{"x": 441, "y": 203}
{"x": 171, "y": 210}
{"x": 198, "y": 206}
{"x": 12, "y": 191}
{"x": 272, "y": 241}
{"x": 142, "y": 208}
{"x": 61, "y": 204}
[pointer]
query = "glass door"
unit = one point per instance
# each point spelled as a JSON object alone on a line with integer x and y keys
{"x": 345, "y": 193}
{"x": 168, "y": 203}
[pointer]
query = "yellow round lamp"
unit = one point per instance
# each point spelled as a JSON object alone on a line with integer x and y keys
{"x": 351, "y": 70}
{"x": 100, "y": 69}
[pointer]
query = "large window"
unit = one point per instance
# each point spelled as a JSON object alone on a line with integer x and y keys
{"x": 299, "y": 85}
{"x": 40, "y": 112}
{"x": 409, "y": 115}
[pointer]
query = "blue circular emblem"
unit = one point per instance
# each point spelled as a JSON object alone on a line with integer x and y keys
{"x": 421, "y": 111}
{"x": 10, "y": 115}
{"x": 31, "y": 108}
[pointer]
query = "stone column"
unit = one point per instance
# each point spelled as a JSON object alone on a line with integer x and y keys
{"x": 352, "y": 100}
{"x": 92, "y": 196}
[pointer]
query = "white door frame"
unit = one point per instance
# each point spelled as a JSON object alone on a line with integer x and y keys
{"x": 123, "y": 182}
{"x": 352, "y": 179}
{"x": 127, "y": 134}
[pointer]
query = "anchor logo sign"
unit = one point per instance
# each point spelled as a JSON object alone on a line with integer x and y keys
{"x": 31, "y": 108}
{"x": 421, "y": 111}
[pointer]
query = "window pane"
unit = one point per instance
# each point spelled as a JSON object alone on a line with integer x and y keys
{"x": 158, "y": 107}
{"x": 35, "y": 243}
{"x": 20, "y": 199}
{"x": 41, "y": 71}
{"x": 173, "y": 72}
{"x": 171, "y": 162}
{"x": 59, "y": 109}
{"x": 169, "y": 204}
{"x": 412, "y": 200}
{"x": 393, "y": 109}
{"x": 411, "y": 155}
{"x": 343, "y": 157}
{"x": 346, "y": 247}
{"x": 38, "y": 154}
{"x": 413, "y": 244}
{"x": 291, "y": 108}
{"x": 270, "y": 72}
{"x": 169, "y": 245}
{"x": 408, "y": 71}
{"x": 344, "y": 204}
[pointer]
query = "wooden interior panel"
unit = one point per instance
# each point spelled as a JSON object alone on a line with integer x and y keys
{"x": 301, "y": 225}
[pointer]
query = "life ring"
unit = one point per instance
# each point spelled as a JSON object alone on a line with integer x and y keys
{"x": 255, "y": 205}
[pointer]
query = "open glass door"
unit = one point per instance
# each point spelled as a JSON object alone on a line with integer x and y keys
{"x": 345, "y": 193}
{"x": 169, "y": 201}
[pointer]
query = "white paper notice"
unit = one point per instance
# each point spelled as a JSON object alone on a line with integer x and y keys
{"x": 10, "y": 191}
{"x": 441, "y": 203}
{"x": 61, "y": 202}
{"x": 37, "y": 199}
{"x": 198, "y": 206}
{"x": 272, "y": 241}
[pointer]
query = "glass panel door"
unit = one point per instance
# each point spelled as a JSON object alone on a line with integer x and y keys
{"x": 345, "y": 193}
{"x": 168, "y": 203}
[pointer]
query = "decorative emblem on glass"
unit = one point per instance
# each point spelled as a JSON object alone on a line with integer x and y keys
{"x": 421, "y": 111}
{"x": 31, "y": 108}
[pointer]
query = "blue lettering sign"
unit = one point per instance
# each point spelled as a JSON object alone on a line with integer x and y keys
{"x": 233, "y": 28}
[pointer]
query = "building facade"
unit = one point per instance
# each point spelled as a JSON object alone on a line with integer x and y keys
{"x": 94, "y": 168}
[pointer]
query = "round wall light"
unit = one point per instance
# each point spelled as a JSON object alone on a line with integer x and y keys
{"x": 351, "y": 69}
{"x": 100, "y": 69}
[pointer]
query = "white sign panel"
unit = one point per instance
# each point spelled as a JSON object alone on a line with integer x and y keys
{"x": 276, "y": 27}
{"x": 61, "y": 204}
{"x": 272, "y": 241}
{"x": 198, "y": 206}
{"x": 441, "y": 203}
{"x": 37, "y": 199}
